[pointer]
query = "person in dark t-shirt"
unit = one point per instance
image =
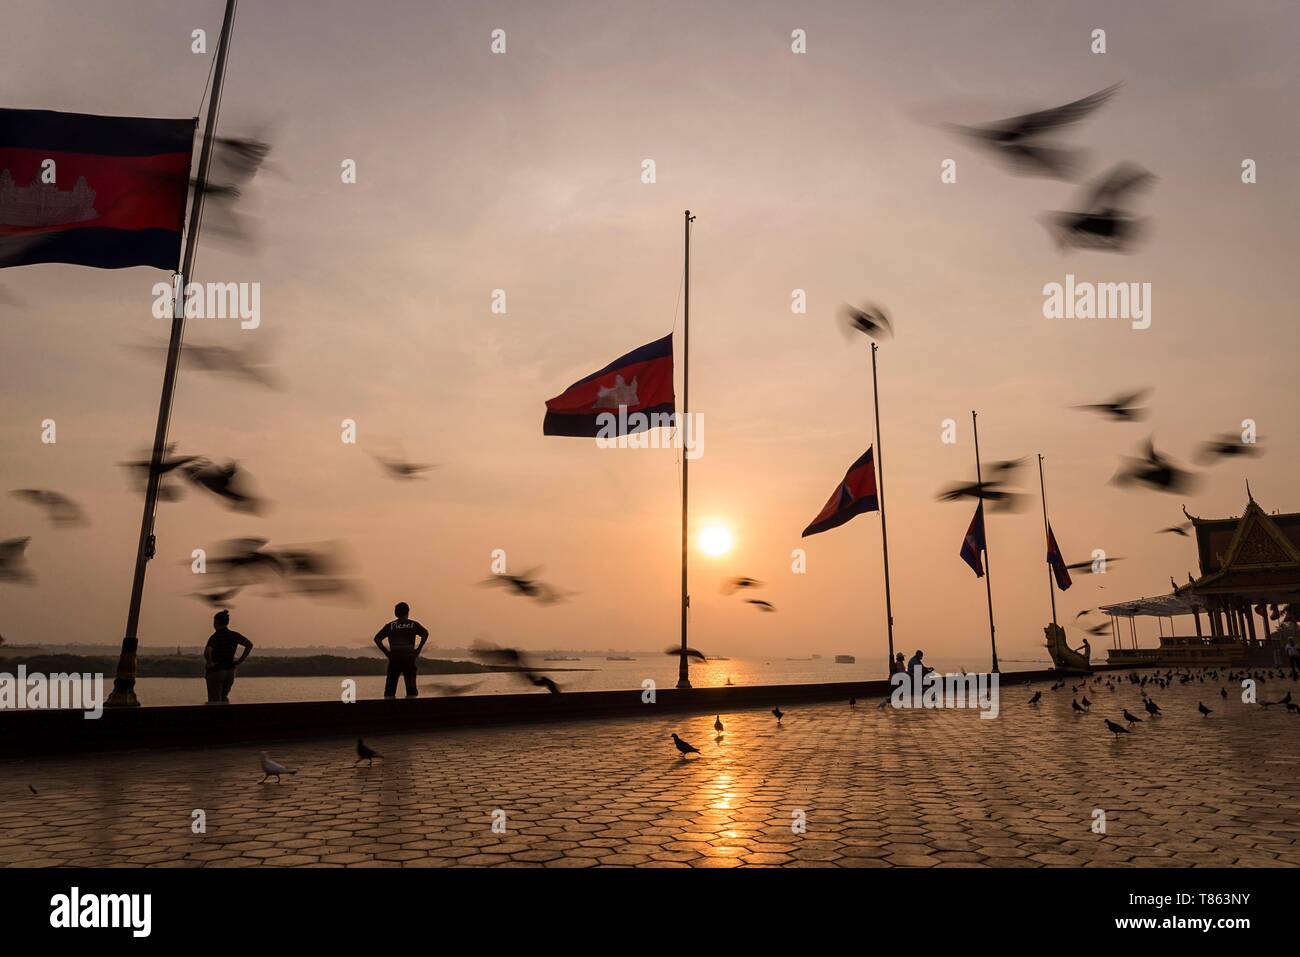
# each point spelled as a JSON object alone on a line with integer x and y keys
{"x": 219, "y": 655}
{"x": 402, "y": 651}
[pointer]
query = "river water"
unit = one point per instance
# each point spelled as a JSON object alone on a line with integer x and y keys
{"x": 599, "y": 675}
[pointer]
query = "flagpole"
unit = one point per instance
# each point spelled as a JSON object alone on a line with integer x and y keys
{"x": 988, "y": 584}
{"x": 683, "y": 668}
{"x": 1047, "y": 531}
{"x": 123, "y": 694}
{"x": 884, "y": 529}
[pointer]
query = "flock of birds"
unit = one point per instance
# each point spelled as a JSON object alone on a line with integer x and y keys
{"x": 1080, "y": 704}
{"x": 1028, "y": 144}
{"x": 1099, "y": 219}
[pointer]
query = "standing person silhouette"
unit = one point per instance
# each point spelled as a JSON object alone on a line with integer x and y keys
{"x": 219, "y": 656}
{"x": 402, "y": 651}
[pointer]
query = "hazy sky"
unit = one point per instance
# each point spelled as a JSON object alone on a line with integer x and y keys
{"x": 522, "y": 171}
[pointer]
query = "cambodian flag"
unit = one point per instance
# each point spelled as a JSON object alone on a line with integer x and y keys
{"x": 855, "y": 495}
{"x": 973, "y": 545}
{"x": 631, "y": 394}
{"x": 1057, "y": 562}
{"x": 102, "y": 191}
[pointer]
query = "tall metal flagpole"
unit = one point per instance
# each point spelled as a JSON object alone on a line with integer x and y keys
{"x": 123, "y": 694}
{"x": 1047, "y": 531}
{"x": 988, "y": 584}
{"x": 683, "y": 669}
{"x": 884, "y": 529}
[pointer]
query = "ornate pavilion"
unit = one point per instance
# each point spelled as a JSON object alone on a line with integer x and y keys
{"x": 1248, "y": 591}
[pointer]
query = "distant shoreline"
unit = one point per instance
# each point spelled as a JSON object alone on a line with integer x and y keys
{"x": 263, "y": 666}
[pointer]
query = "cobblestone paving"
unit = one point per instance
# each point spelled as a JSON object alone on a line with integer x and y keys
{"x": 877, "y": 788}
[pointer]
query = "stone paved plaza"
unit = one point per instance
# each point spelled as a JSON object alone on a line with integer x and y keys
{"x": 877, "y": 788}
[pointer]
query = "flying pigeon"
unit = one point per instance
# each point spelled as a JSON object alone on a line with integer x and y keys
{"x": 1225, "y": 446}
{"x": 13, "y": 567}
{"x": 1019, "y": 141}
{"x": 248, "y": 364}
{"x": 542, "y": 681}
{"x": 527, "y": 586}
{"x": 1122, "y": 408}
{"x": 1155, "y": 471}
{"x": 59, "y": 509}
{"x": 1086, "y": 567}
{"x": 1100, "y": 222}
{"x": 402, "y": 470}
{"x": 1000, "y": 499}
{"x": 228, "y": 482}
{"x": 870, "y": 320}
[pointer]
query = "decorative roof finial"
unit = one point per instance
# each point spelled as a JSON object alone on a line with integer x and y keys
{"x": 1248, "y": 495}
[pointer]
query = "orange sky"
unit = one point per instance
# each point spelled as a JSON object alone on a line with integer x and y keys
{"x": 522, "y": 172}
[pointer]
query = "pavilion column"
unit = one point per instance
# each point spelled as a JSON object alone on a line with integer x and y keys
{"x": 1196, "y": 617}
{"x": 1249, "y": 614}
{"x": 1268, "y": 632}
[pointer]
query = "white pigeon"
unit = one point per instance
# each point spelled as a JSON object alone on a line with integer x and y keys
{"x": 271, "y": 769}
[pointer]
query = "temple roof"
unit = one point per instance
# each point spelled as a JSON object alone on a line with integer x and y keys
{"x": 1255, "y": 556}
{"x": 1256, "y": 551}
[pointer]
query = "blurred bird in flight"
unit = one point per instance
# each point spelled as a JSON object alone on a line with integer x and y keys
{"x": 1019, "y": 142}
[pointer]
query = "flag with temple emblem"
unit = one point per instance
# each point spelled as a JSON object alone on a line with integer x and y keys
{"x": 631, "y": 394}
{"x": 102, "y": 191}
{"x": 1057, "y": 562}
{"x": 854, "y": 495}
{"x": 972, "y": 546}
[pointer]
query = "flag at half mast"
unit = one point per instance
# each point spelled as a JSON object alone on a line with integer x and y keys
{"x": 972, "y": 546}
{"x": 101, "y": 191}
{"x": 631, "y": 394}
{"x": 1057, "y": 561}
{"x": 854, "y": 495}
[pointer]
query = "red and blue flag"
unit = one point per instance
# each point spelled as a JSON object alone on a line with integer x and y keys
{"x": 973, "y": 545}
{"x": 855, "y": 495}
{"x": 101, "y": 191}
{"x": 631, "y": 394}
{"x": 1055, "y": 559}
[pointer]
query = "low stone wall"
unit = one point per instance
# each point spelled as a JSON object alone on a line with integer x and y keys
{"x": 33, "y": 733}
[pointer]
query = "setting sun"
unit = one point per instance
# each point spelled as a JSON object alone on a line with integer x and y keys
{"x": 715, "y": 540}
